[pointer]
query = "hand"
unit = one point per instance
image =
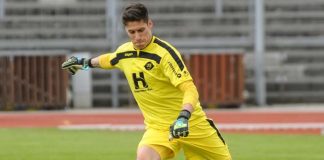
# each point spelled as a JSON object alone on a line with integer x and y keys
{"x": 180, "y": 128}
{"x": 73, "y": 64}
{"x": 73, "y": 70}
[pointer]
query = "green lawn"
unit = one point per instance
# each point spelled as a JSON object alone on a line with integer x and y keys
{"x": 276, "y": 147}
{"x": 54, "y": 144}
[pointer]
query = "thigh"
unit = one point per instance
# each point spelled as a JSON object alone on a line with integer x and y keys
{"x": 211, "y": 148}
{"x": 147, "y": 153}
{"x": 159, "y": 141}
{"x": 208, "y": 146}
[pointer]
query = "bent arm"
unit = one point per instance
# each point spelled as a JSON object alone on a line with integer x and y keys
{"x": 191, "y": 96}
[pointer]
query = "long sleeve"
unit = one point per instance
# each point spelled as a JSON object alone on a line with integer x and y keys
{"x": 190, "y": 93}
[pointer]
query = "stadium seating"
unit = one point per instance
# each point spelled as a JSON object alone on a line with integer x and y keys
{"x": 294, "y": 37}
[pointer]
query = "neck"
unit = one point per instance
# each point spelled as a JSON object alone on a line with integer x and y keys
{"x": 148, "y": 43}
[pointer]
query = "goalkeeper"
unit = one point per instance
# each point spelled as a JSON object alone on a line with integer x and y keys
{"x": 164, "y": 92}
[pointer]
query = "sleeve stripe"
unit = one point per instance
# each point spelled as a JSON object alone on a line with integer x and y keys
{"x": 152, "y": 56}
{"x": 122, "y": 55}
{"x": 133, "y": 54}
{"x": 171, "y": 51}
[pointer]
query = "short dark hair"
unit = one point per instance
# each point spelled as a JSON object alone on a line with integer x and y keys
{"x": 135, "y": 12}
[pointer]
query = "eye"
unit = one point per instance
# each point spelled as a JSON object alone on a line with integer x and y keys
{"x": 141, "y": 30}
{"x": 131, "y": 32}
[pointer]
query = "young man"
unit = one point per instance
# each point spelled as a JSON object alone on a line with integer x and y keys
{"x": 164, "y": 91}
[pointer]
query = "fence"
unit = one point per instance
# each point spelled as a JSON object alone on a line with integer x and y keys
{"x": 32, "y": 80}
{"x": 219, "y": 77}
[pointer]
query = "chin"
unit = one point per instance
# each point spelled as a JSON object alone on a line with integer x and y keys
{"x": 139, "y": 46}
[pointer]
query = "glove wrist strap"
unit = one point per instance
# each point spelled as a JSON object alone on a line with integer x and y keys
{"x": 184, "y": 114}
{"x": 88, "y": 62}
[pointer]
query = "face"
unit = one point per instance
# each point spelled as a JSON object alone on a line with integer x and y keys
{"x": 140, "y": 33}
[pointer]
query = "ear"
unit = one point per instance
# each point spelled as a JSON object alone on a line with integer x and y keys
{"x": 150, "y": 23}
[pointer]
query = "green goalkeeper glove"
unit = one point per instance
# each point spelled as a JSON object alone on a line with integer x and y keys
{"x": 180, "y": 128}
{"x": 73, "y": 64}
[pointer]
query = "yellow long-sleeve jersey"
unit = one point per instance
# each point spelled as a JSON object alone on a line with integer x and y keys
{"x": 153, "y": 75}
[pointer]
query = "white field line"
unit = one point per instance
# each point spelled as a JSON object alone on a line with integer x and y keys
{"x": 272, "y": 126}
{"x": 222, "y": 126}
{"x": 121, "y": 127}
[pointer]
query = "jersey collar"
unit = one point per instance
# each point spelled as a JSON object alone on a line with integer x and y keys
{"x": 149, "y": 46}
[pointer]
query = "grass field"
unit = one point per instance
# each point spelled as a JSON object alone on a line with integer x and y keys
{"x": 54, "y": 144}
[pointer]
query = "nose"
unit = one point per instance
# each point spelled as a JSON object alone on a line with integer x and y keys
{"x": 137, "y": 36}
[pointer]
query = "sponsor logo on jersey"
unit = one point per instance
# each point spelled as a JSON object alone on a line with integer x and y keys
{"x": 140, "y": 83}
{"x": 148, "y": 66}
{"x": 185, "y": 73}
{"x": 174, "y": 71}
{"x": 129, "y": 54}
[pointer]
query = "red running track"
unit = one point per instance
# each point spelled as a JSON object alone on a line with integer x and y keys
{"x": 59, "y": 118}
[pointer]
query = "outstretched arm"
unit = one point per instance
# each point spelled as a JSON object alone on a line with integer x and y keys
{"x": 95, "y": 62}
{"x": 73, "y": 64}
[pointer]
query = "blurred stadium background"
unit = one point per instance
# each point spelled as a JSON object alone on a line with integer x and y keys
{"x": 45, "y": 31}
